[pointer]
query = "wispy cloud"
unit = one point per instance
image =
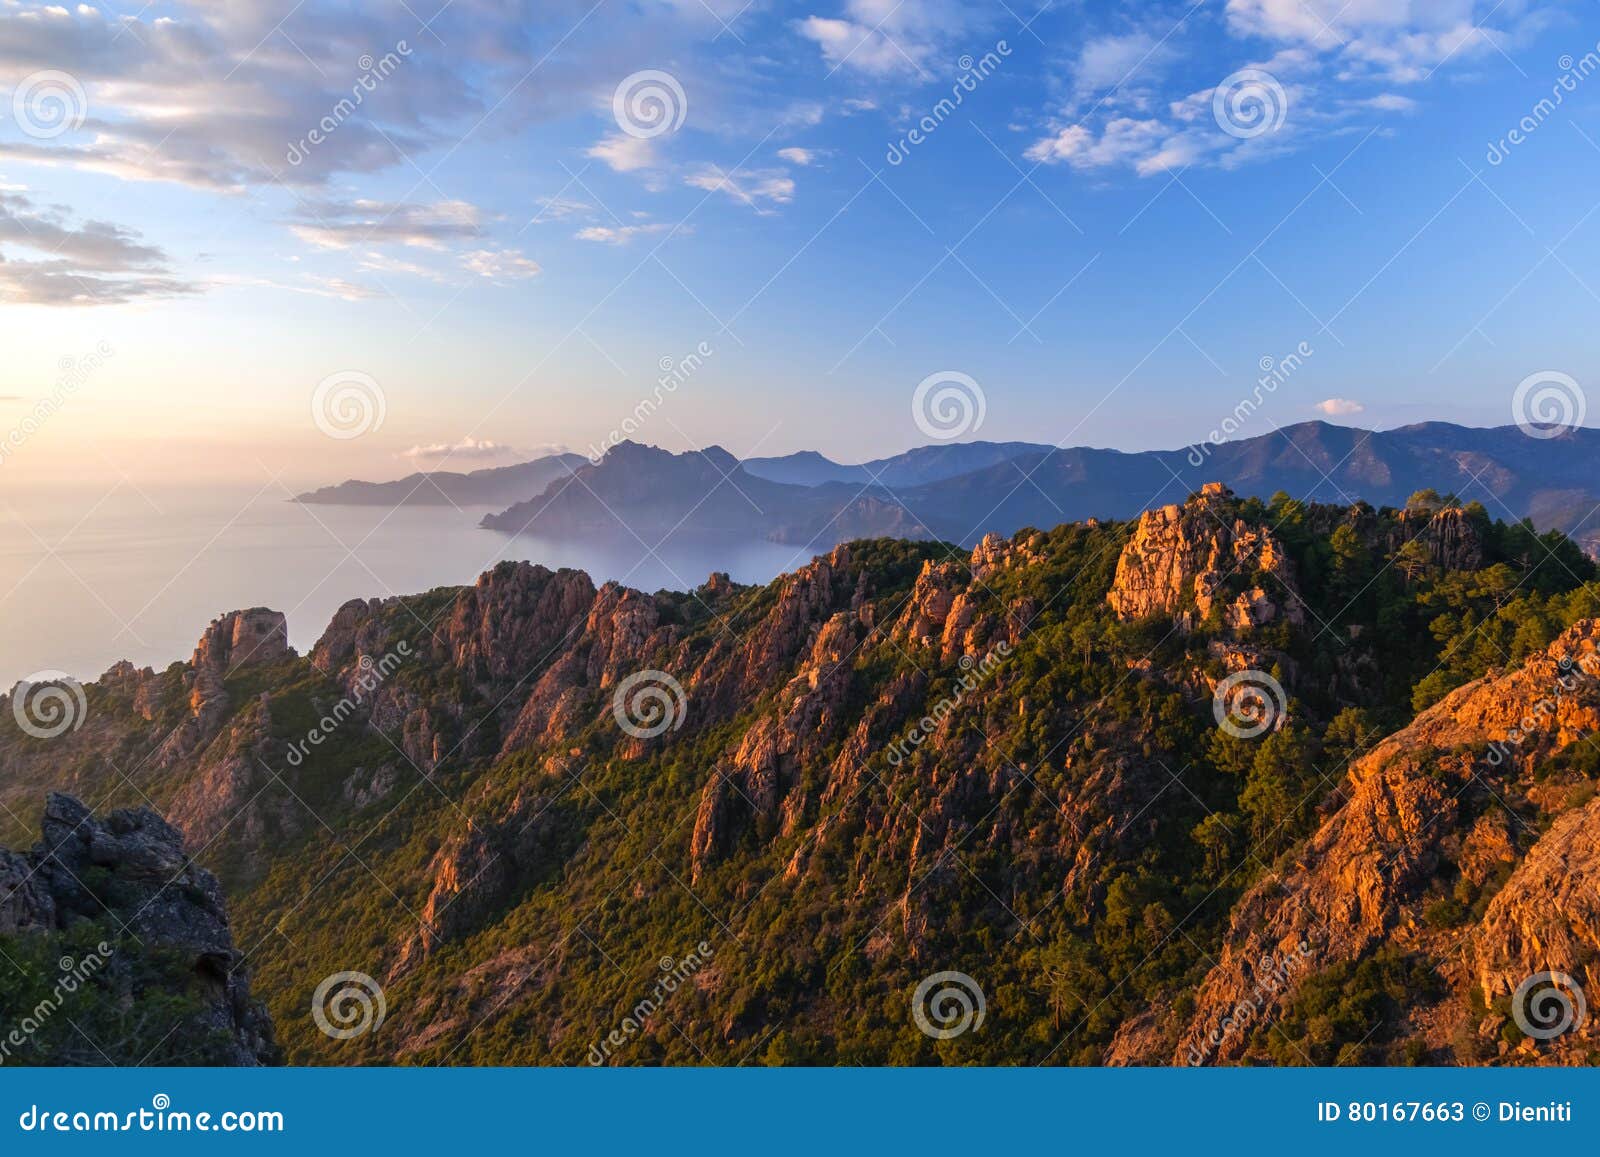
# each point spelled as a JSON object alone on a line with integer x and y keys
{"x": 623, "y": 234}
{"x": 500, "y": 265}
{"x": 760, "y": 189}
{"x": 93, "y": 263}
{"x": 342, "y": 224}
{"x": 468, "y": 448}
{"x": 1331, "y": 62}
{"x": 880, "y": 38}
{"x": 625, "y": 154}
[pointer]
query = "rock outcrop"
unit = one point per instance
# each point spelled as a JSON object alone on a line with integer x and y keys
{"x": 895, "y": 760}
{"x": 129, "y": 867}
{"x": 1411, "y": 806}
{"x": 250, "y": 638}
{"x": 1183, "y": 561}
{"x": 1547, "y": 917}
{"x": 1452, "y": 540}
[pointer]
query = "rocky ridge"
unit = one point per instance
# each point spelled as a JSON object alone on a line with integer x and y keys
{"x": 153, "y": 895}
{"x": 1447, "y": 793}
{"x": 1186, "y": 560}
{"x": 911, "y": 743}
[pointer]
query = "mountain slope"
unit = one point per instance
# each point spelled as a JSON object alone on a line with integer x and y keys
{"x": 915, "y": 467}
{"x": 641, "y": 490}
{"x": 962, "y": 492}
{"x": 119, "y": 950}
{"x": 1515, "y": 476}
{"x": 568, "y": 824}
{"x": 494, "y": 486}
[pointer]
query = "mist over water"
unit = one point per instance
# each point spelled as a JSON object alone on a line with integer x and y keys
{"x": 89, "y": 577}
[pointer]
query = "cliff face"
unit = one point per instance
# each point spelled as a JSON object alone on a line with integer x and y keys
{"x": 1456, "y": 793}
{"x": 1451, "y": 539}
{"x": 128, "y": 872}
{"x": 1184, "y": 561}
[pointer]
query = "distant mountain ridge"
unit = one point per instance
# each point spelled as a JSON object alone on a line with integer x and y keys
{"x": 959, "y": 492}
{"x": 1553, "y": 481}
{"x": 913, "y": 468}
{"x": 493, "y": 486}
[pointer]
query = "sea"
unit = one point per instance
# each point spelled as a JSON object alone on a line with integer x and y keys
{"x": 90, "y": 576}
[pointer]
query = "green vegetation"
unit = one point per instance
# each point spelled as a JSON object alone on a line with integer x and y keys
{"x": 93, "y": 996}
{"x": 1076, "y": 811}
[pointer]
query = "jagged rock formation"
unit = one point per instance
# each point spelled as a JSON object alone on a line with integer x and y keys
{"x": 1451, "y": 539}
{"x": 1426, "y": 798}
{"x": 1183, "y": 561}
{"x": 899, "y": 759}
{"x": 129, "y": 870}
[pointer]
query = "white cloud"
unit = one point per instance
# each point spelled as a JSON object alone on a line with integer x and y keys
{"x": 1339, "y": 407}
{"x": 342, "y": 289}
{"x": 467, "y": 447}
{"x": 1120, "y": 61}
{"x": 1123, "y": 141}
{"x": 844, "y": 42}
{"x": 622, "y": 234}
{"x": 801, "y": 157}
{"x": 1390, "y": 102}
{"x": 1333, "y": 62}
{"x": 886, "y": 37}
{"x": 557, "y": 208}
{"x": 1401, "y": 39}
{"x": 625, "y": 154}
{"x": 340, "y": 225}
{"x": 95, "y": 263}
{"x": 501, "y": 265}
{"x": 374, "y": 262}
{"x": 229, "y": 96}
{"x": 760, "y": 189}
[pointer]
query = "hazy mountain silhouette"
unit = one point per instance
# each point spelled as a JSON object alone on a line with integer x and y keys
{"x": 494, "y": 486}
{"x": 963, "y": 491}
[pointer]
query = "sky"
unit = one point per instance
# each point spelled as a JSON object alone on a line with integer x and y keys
{"x": 311, "y": 241}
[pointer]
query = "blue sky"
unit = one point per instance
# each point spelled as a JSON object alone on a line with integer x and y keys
{"x": 501, "y": 255}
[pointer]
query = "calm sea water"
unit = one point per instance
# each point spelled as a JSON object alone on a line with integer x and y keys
{"x": 87, "y": 578}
